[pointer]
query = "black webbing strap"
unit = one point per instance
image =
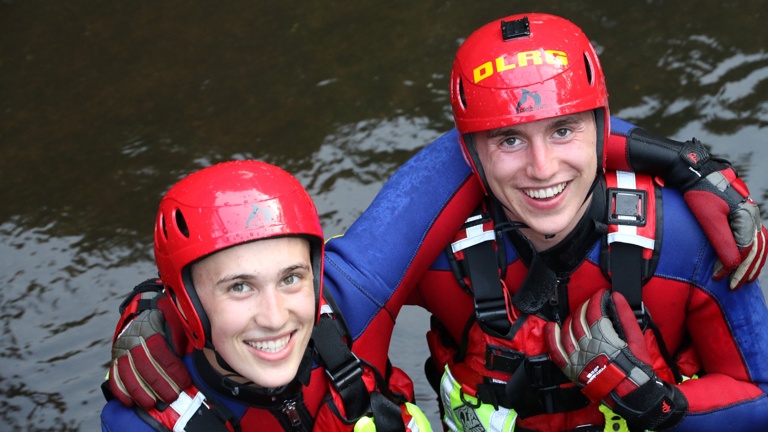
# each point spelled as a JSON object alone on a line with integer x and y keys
{"x": 386, "y": 414}
{"x": 628, "y": 207}
{"x": 536, "y": 387}
{"x": 206, "y": 420}
{"x": 490, "y": 303}
{"x": 627, "y": 273}
{"x": 345, "y": 371}
{"x": 342, "y": 367}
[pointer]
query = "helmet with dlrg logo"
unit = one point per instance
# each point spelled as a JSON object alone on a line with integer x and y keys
{"x": 223, "y": 206}
{"x": 524, "y": 68}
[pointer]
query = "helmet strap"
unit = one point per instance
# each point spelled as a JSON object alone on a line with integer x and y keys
{"x": 599, "y": 118}
{"x": 301, "y": 378}
{"x": 223, "y": 363}
{"x": 469, "y": 143}
{"x": 189, "y": 287}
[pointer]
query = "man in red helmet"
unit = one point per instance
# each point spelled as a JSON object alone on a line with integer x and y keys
{"x": 552, "y": 232}
{"x": 239, "y": 249}
{"x": 532, "y": 337}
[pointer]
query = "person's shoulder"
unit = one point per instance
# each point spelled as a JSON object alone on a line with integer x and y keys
{"x": 675, "y": 212}
{"x": 117, "y": 417}
{"x": 686, "y": 253}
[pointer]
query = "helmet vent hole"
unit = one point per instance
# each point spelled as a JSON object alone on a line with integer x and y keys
{"x": 181, "y": 223}
{"x": 588, "y": 67}
{"x": 462, "y": 96}
{"x": 162, "y": 227}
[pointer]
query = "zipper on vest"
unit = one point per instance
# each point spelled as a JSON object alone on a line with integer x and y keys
{"x": 554, "y": 306}
{"x": 293, "y": 413}
{"x": 558, "y": 299}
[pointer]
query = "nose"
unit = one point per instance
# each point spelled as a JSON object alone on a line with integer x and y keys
{"x": 272, "y": 311}
{"x": 543, "y": 162}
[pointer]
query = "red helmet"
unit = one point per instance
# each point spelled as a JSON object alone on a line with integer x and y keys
{"x": 524, "y": 68}
{"x": 222, "y": 206}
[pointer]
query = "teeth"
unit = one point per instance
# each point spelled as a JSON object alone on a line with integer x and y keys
{"x": 545, "y": 193}
{"x": 270, "y": 346}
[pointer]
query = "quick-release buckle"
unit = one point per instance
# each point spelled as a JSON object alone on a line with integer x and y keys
{"x": 491, "y": 310}
{"x": 542, "y": 378}
{"x": 502, "y": 359}
{"x": 346, "y": 374}
{"x": 491, "y": 313}
{"x": 627, "y": 206}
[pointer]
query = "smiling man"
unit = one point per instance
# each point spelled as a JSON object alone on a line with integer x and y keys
{"x": 532, "y": 338}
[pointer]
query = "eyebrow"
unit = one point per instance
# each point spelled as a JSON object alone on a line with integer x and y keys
{"x": 568, "y": 120}
{"x": 248, "y": 276}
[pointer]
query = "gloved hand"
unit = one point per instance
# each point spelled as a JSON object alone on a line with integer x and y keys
{"x": 145, "y": 357}
{"x": 720, "y": 200}
{"x": 601, "y": 348}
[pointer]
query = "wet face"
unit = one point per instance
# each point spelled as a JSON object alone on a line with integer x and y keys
{"x": 260, "y": 300}
{"x": 541, "y": 172}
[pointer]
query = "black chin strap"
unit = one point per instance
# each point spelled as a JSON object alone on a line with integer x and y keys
{"x": 234, "y": 386}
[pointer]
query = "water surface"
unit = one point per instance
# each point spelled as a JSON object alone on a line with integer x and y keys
{"x": 103, "y": 105}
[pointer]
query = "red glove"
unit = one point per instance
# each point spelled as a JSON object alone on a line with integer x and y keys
{"x": 601, "y": 348}
{"x": 145, "y": 354}
{"x": 730, "y": 218}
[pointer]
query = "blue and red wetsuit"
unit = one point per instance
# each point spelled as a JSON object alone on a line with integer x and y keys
{"x": 719, "y": 333}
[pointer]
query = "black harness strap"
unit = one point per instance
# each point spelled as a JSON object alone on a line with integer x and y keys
{"x": 490, "y": 303}
{"x": 345, "y": 372}
{"x": 627, "y": 274}
{"x": 342, "y": 367}
{"x": 386, "y": 414}
{"x": 627, "y": 207}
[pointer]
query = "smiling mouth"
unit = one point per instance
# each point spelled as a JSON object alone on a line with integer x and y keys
{"x": 545, "y": 193}
{"x": 270, "y": 346}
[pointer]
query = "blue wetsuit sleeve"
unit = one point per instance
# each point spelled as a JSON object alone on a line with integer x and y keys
{"x": 729, "y": 329}
{"x": 746, "y": 316}
{"x": 117, "y": 417}
{"x": 400, "y": 233}
{"x": 621, "y": 127}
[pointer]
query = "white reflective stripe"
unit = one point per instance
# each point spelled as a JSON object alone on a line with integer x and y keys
{"x": 625, "y": 180}
{"x": 413, "y": 426}
{"x": 446, "y": 387}
{"x": 447, "y": 384}
{"x": 186, "y": 407}
{"x": 499, "y": 419}
{"x": 473, "y": 218}
{"x": 632, "y": 238}
{"x": 475, "y": 235}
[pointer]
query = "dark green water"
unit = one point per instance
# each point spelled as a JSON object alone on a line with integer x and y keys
{"x": 104, "y": 104}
